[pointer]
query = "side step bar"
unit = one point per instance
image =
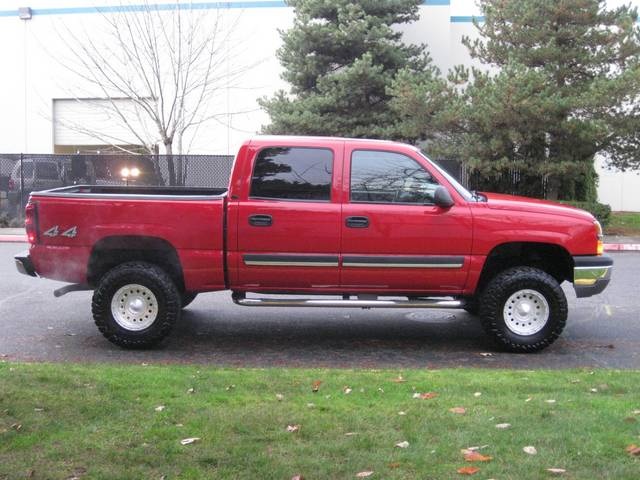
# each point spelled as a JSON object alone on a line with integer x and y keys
{"x": 347, "y": 303}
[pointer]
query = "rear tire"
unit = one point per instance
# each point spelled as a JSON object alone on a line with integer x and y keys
{"x": 136, "y": 305}
{"x": 523, "y": 309}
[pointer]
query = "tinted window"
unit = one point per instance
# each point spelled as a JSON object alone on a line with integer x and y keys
{"x": 293, "y": 173}
{"x": 386, "y": 177}
{"x": 47, "y": 170}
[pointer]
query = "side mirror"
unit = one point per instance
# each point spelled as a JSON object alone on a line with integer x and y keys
{"x": 442, "y": 198}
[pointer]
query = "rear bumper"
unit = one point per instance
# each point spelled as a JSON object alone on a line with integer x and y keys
{"x": 591, "y": 274}
{"x": 24, "y": 264}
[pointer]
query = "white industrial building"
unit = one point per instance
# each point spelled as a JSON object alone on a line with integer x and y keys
{"x": 38, "y": 94}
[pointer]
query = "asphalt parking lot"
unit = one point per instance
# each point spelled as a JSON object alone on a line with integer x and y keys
{"x": 602, "y": 331}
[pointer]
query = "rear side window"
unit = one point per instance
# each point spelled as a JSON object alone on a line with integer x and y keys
{"x": 293, "y": 173}
{"x": 387, "y": 177}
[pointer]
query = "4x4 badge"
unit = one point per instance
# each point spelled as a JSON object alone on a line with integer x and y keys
{"x": 55, "y": 231}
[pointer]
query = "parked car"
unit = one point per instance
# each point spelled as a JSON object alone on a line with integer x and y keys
{"x": 36, "y": 175}
{"x": 361, "y": 221}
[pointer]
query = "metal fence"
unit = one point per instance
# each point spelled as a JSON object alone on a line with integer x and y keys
{"x": 21, "y": 174}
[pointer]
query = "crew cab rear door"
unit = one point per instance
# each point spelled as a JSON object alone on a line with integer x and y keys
{"x": 394, "y": 238}
{"x": 288, "y": 218}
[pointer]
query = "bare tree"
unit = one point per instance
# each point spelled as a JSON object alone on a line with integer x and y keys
{"x": 156, "y": 69}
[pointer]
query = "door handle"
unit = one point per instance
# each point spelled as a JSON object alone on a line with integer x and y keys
{"x": 260, "y": 220}
{"x": 357, "y": 222}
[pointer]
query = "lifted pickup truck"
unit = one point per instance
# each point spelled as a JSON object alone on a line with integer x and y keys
{"x": 369, "y": 223}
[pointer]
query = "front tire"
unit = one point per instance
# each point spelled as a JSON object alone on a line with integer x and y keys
{"x": 136, "y": 305}
{"x": 523, "y": 309}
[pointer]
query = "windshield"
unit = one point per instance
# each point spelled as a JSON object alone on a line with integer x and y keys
{"x": 466, "y": 194}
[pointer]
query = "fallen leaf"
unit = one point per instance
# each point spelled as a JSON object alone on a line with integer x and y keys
{"x": 315, "y": 386}
{"x": 347, "y": 390}
{"x": 468, "y": 470}
{"x": 633, "y": 450}
{"x": 556, "y": 471}
{"x": 394, "y": 465}
{"x": 530, "y": 450}
{"x": 631, "y": 419}
{"x": 293, "y": 428}
{"x": 364, "y": 474}
{"x": 503, "y": 426}
{"x": 189, "y": 441}
{"x": 425, "y": 396}
{"x": 477, "y": 457}
{"x": 458, "y": 410}
{"x": 297, "y": 477}
{"x": 159, "y": 408}
{"x": 279, "y": 397}
{"x": 31, "y": 473}
{"x": 16, "y": 426}
{"x": 403, "y": 444}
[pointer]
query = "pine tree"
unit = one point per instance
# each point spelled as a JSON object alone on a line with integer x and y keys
{"x": 563, "y": 85}
{"x": 339, "y": 58}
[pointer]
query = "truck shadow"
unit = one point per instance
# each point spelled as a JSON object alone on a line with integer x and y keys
{"x": 334, "y": 339}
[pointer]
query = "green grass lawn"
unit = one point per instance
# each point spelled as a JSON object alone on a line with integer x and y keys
{"x": 73, "y": 421}
{"x": 624, "y": 223}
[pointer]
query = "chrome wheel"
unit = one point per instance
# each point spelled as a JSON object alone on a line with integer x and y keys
{"x": 134, "y": 307}
{"x": 526, "y": 312}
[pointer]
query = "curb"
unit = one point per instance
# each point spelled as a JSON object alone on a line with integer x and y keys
{"x": 622, "y": 247}
{"x": 608, "y": 247}
{"x": 13, "y": 238}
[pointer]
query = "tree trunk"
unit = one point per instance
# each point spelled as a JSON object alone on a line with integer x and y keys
{"x": 168, "y": 147}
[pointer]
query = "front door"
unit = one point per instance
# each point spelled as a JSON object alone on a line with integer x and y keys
{"x": 289, "y": 224}
{"x": 394, "y": 238}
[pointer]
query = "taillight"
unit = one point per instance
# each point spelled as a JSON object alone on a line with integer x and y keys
{"x": 600, "y": 244}
{"x": 31, "y": 222}
{"x": 12, "y": 185}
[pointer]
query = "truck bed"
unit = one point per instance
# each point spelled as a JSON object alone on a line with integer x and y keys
{"x": 77, "y": 224}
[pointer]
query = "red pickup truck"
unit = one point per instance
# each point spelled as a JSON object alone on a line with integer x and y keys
{"x": 367, "y": 223}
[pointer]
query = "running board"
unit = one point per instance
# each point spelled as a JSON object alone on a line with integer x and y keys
{"x": 348, "y": 303}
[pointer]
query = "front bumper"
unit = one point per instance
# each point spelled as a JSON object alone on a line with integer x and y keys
{"x": 591, "y": 274}
{"x": 24, "y": 265}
